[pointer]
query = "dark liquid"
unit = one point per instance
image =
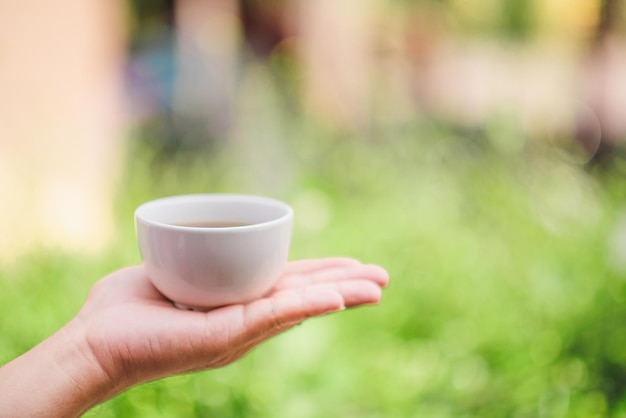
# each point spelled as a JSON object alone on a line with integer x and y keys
{"x": 212, "y": 224}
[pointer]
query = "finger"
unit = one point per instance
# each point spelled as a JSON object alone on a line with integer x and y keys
{"x": 249, "y": 325}
{"x": 289, "y": 307}
{"x": 258, "y": 320}
{"x": 370, "y": 272}
{"x": 354, "y": 292}
{"x": 314, "y": 264}
{"x": 268, "y": 316}
{"x": 292, "y": 306}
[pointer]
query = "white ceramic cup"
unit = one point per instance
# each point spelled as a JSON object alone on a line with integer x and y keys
{"x": 205, "y": 267}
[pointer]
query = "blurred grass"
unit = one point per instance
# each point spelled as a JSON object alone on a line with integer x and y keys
{"x": 507, "y": 295}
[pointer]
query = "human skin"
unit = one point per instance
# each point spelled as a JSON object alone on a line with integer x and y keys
{"x": 127, "y": 333}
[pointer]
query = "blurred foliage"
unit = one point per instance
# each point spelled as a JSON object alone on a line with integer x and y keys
{"x": 507, "y": 263}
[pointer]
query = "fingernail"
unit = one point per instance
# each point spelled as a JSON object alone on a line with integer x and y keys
{"x": 338, "y": 309}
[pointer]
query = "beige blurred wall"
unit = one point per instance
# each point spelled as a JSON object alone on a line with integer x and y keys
{"x": 60, "y": 122}
{"x": 337, "y": 41}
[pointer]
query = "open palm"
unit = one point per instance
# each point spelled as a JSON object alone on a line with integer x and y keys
{"x": 137, "y": 335}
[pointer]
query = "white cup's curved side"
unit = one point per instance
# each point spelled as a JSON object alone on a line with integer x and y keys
{"x": 209, "y": 267}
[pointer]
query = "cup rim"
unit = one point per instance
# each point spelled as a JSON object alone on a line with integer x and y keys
{"x": 140, "y": 217}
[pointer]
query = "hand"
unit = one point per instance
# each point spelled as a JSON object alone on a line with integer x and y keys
{"x": 136, "y": 335}
{"x": 127, "y": 333}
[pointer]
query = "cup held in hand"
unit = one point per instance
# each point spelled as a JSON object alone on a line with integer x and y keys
{"x": 205, "y": 251}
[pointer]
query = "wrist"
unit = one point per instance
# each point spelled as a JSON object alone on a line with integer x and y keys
{"x": 58, "y": 377}
{"x": 72, "y": 353}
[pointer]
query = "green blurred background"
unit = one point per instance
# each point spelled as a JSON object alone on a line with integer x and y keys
{"x": 473, "y": 150}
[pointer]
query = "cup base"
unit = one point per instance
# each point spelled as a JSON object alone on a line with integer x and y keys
{"x": 184, "y": 307}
